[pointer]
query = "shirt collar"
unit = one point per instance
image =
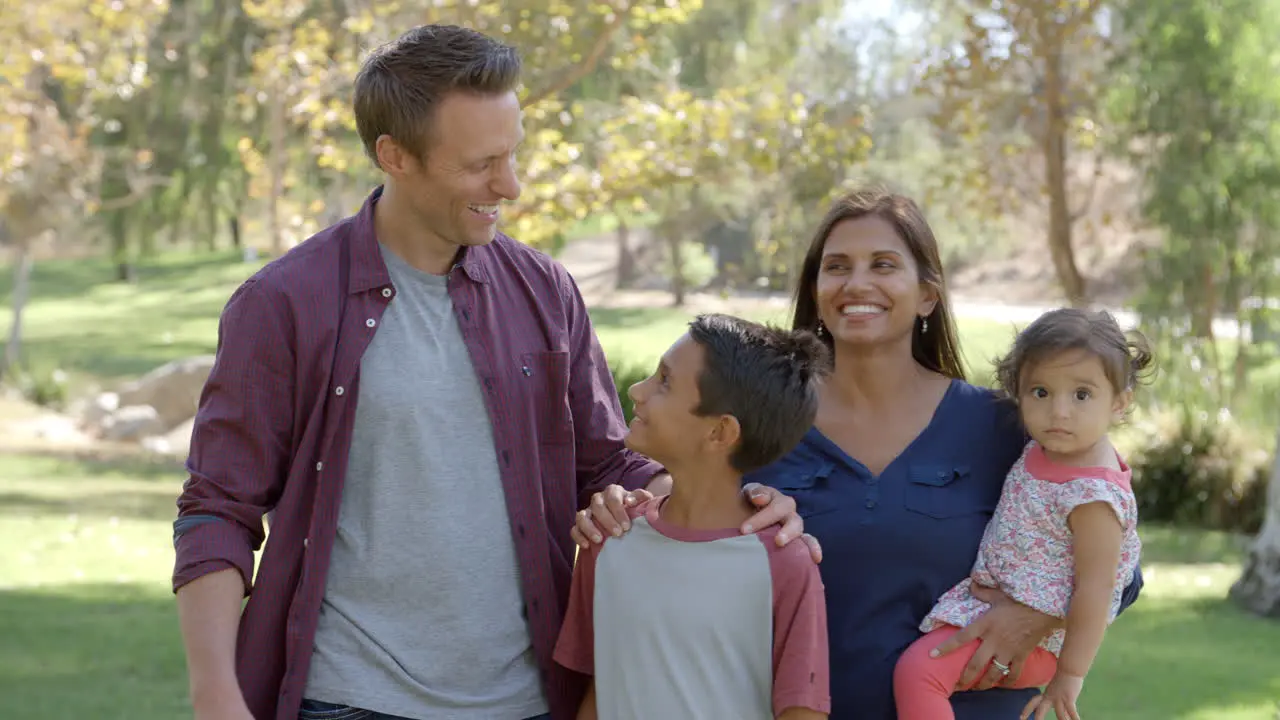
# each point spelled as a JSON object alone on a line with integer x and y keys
{"x": 369, "y": 271}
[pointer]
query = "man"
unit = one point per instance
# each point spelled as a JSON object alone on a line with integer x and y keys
{"x": 421, "y": 403}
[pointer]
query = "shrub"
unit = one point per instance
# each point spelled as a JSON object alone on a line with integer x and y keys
{"x": 624, "y": 376}
{"x": 1194, "y": 470}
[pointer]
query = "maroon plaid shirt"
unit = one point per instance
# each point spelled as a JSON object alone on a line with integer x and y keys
{"x": 273, "y": 432}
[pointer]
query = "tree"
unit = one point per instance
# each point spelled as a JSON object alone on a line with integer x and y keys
{"x": 1024, "y": 69}
{"x": 694, "y": 159}
{"x": 1196, "y": 83}
{"x": 1258, "y": 589}
{"x": 62, "y": 62}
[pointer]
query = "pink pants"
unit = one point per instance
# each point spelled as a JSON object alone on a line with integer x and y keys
{"x": 922, "y": 685}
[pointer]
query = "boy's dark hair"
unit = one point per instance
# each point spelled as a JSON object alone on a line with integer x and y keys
{"x": 401, "y": 83}
{"x": 1124, "y": 358}
{"x": 764, "y": 376}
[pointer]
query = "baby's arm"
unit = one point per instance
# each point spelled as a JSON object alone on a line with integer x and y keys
{"x": 1097, "y": 538}
{"x": 587, "y": 711}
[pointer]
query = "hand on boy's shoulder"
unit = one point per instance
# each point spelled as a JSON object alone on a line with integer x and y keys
{"x": 794, "y": 556}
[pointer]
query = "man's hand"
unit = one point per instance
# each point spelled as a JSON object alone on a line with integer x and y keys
{"x": 1009, "y": 631}
{"x": 607, "y": 513}
{"x": 1060, "y": 696}
{"x": 778, "y": 508}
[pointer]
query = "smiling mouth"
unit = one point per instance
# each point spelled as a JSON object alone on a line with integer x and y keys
{"x": 861, "y": 309}
{"x": 489, "y": 212}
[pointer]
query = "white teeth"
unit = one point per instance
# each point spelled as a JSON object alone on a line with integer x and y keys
{"x": 860, "y": 309}
{"x": 485, "y": 209}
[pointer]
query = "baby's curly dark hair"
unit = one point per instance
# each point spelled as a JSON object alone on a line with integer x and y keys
{"x": 1125, "y": 358}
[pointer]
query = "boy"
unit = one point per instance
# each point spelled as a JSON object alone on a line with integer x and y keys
{"x": 684, "y": 617}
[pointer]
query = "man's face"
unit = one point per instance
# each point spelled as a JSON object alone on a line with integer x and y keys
{"x": 1067, "y": 403}
{"x": 468, "y": 168}
{"x": 664, "y": 426}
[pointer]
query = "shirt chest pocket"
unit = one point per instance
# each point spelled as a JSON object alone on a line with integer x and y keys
{"x": 545, "y": 376}
{"x": 945, "y": 491}
{"x": 810, "y": 488}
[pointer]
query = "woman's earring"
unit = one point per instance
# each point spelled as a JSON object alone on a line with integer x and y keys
{"x": 924, "y": 324}
{"x": 820, "y": 331}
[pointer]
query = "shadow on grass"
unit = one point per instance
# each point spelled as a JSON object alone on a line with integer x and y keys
{"x": 1168, "y": 658}
{"x": 63, "y": 279}
{"x": 93, "y": 465}
{"x": 91, "y": 651}
{"x": 157, "y": 505}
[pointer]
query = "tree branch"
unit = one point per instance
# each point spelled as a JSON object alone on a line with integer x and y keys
{"x": 575, "y": 72}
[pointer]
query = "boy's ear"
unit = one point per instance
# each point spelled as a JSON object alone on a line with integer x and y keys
{"x": 726, "y": 432}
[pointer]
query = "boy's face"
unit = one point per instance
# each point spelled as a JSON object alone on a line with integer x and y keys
{"x": 665, "y": 427}
{"x": 1067, "y": 403}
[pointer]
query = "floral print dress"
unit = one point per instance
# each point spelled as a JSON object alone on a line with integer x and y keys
{"x": 1027, "y": 548}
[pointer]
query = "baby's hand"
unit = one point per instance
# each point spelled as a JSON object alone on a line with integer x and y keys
{"x": 1060, "y": 696}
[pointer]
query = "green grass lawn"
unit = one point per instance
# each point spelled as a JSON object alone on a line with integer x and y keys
{"x": 90, "y": 629}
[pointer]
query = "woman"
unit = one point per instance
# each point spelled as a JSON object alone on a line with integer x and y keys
{"x": 903, "y": 466}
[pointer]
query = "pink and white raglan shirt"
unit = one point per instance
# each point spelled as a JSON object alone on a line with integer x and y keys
{"x": 692, "y": 624}
{"x": 1027, "y": 550}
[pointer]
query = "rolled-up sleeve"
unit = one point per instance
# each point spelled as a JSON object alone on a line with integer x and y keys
{"x": 240, "y": 443}
{"x": 599, "y": 425}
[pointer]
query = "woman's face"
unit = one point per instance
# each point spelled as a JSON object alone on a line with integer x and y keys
{"x": 868, "y": 289}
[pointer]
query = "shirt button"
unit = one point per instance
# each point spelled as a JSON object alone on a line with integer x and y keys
{"x": 339, "y": 390}
{"x": 305, "y": 541}
{"x": 386, "y": 292}
{"x": 370, "y": 322}
{"x": 871, "y": 504}
{"x": 319, "y": 466}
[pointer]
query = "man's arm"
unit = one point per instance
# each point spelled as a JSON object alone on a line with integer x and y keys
{"x": 796, "y": 713}
{"x": 240, "y": 449}
{"x": 587, "y": 711}
{"x": 599, "y": 425}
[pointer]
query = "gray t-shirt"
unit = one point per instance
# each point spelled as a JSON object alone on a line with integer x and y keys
{"x": 423, "y": 615}
{"x": 697, "y": 624}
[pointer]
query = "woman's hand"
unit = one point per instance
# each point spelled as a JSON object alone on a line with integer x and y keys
{"x": 1009, "y": 631}
{"x": 1060, "y": 696}
{"x": 607, "y": 514}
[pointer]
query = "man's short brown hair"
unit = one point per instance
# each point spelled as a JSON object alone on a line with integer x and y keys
{"x": 402, "y": 82}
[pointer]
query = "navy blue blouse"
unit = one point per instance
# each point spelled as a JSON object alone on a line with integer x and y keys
{"x": 893, "y": 543}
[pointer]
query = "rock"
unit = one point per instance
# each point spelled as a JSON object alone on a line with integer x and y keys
{"x": 96, "y": 412}
{"x": 173, "y": 389}
{"x": 131, "y": 423}
{"x": 176, "y": 442}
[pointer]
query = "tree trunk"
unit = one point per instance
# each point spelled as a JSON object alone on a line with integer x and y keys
{"x": 21, "y": 288}
{"x": 276, "y": 122}
{"x": 678, "y": 280}
{"x": 1258, "y": 589}
{"x": 626, "y": 258}
{"x": 1054, "y": 147}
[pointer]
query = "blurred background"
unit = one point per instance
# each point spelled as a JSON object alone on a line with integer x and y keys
{"x": 1113, "y": 153}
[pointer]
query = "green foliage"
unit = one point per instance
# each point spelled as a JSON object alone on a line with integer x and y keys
{"x": 1196, "y": 99}
{"x": 626, "y": 374}
{"x": 1197, "y": 470}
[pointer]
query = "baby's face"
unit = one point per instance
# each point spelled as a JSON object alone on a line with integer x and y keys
{"x": 1068, "y": 404}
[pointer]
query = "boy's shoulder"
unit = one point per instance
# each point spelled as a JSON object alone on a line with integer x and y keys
{"x": 788, "y": 562}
